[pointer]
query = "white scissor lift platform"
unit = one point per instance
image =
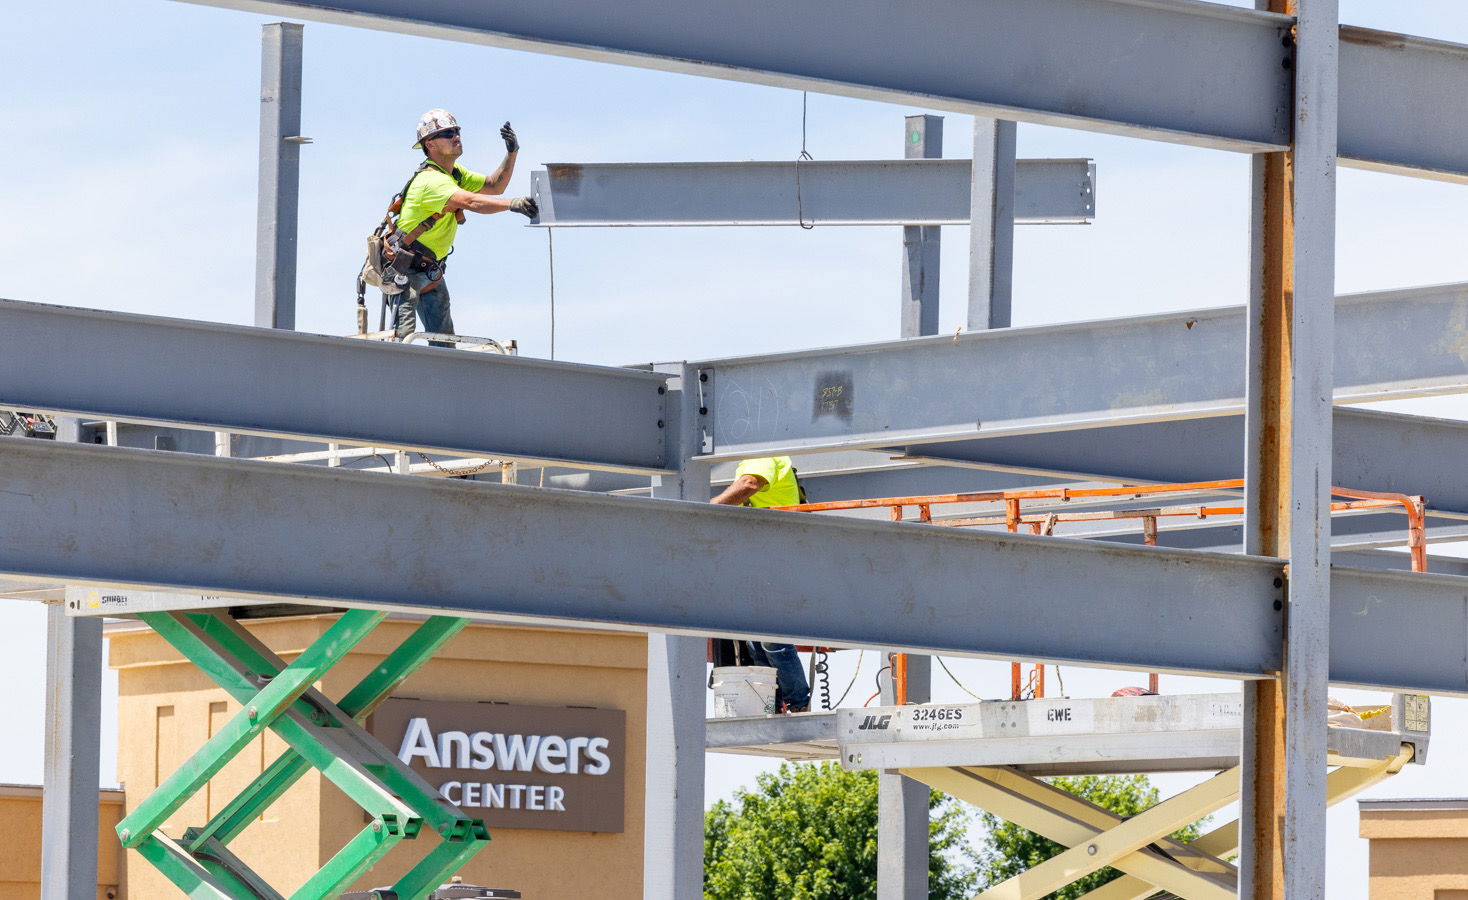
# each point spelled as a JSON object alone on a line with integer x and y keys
{"x": 992, "y": 755}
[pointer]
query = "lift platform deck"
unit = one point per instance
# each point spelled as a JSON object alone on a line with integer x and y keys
{"x": 1111, "y": 735}
{"x": 992, "y": 755}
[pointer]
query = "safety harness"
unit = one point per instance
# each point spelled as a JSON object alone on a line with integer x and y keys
{"x": 392, "y": 253}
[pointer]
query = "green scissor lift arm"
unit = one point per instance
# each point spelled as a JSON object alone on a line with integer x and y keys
{"x": 318, "y": 733}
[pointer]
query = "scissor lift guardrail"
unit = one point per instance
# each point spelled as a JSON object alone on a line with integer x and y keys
{"x": 992, "y": 755}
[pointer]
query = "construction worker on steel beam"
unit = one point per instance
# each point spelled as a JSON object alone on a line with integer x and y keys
{"x": 766, "y": 482}
{"x": 433, "y": 207}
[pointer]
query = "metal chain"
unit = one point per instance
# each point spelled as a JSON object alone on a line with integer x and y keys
{"x": 447, "y": 471}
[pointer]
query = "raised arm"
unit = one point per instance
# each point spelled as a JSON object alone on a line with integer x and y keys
{"x": 500, "y": 178}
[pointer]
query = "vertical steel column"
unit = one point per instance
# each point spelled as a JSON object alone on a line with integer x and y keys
{"x": 991, "y": 236}
{"x": 73, "y": 747}
{"x": 672, "y": 855}
{"x": 902, "y": 806}
{"x": 280, "y": 175}
{"x": 1291, "y": 341}
{"x": 921, "y": 244}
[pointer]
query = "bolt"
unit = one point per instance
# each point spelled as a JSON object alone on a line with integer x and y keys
{"x": 660, "y": 423}
{"x": 1285, "y": 62}
{"x": 1278, "y": 605}
{"x": 1091, "y": 849}
{"x": 376, "y": 826}
{"x": 703, "y": 410}
{"x": 126, "y": 835}
{"x": 703, "y": 376}
{"x": 662, "y": 389}
{"x": 253, "y": 712}
{"x": 1279, "y": 582}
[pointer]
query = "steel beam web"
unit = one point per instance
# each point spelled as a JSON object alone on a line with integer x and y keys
{"x": 1135, "y": 67}
{"x": 175, "y": 521}
{"x": 285, "y": 384}
{"x": 1109, "y": 372}
{"x": 886, "y": 192}
{"x": 111, "y": 516}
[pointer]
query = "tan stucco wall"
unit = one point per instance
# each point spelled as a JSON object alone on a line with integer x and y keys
{"x": 20, "y": 856}
{"x": 168, "y": 709}
{"x": 1417, "y": 854}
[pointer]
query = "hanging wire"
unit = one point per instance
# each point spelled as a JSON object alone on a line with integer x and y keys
{"x": 821, "y": 664}
{"x": 877, "y": 679}
{"x": 1060, "y": 681}
{"x": 804, "y": 156}
{"x": 859, "y": 657}
{"x": 550, "y": 246}
{"x": 955, "y": 679}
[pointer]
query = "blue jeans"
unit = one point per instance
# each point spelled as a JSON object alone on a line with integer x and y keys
{"x": 430, "y": 306}
{"x": 794, "y": 689}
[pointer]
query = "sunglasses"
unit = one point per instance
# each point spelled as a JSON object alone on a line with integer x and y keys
{"x": 450, "y": 133}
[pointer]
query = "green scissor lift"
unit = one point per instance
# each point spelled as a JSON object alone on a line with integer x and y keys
{"x": 318, "y": 733}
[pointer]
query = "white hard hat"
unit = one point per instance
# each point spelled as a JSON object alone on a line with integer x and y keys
{"x": 432, "y": 122}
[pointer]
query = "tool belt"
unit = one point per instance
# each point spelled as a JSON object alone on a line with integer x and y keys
{"x": 413, "y": 257}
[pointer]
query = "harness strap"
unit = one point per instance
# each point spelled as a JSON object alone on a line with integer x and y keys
{"x": 422, "y": 228}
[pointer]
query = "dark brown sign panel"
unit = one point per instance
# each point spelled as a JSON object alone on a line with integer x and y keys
{"x": 560, "y": 768}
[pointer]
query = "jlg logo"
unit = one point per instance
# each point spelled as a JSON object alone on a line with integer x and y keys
{"x": 874, "y": 723}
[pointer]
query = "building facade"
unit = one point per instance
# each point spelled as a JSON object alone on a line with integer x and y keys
{"x": 1419, "y": 848}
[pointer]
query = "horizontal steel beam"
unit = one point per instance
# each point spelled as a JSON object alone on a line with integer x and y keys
{"x": 1399, "y": 630}
{"x": 1372, "y": 451}
{"x": 107, "y": 515}
{"x": 889, "y": 192}
{"x": 141, "y": 518}
{"x": 286, "y": 384}
{"x": 1058, "y": 377}
{"x": 1192, "y": 72}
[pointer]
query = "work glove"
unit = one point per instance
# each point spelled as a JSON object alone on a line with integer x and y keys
{"x": 525, "y": 206}
{"x": 512, "y": 143}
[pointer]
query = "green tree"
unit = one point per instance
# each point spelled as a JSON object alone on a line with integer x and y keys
{"x": 1007, "y": 849}
{"x": 809, "y": 832}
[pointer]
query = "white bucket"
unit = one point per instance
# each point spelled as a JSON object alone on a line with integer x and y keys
{"x": 742, "y": 691}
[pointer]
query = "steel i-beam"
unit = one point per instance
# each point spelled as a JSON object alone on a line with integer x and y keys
{"x": 1208, "y": 75}
{"x": 913, "y": 192}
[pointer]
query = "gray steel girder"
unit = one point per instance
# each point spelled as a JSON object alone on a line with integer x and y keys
{"x": 1185, "y": 71}
{"x": 1058, "y": 377}
{"x": 115, "y": 516}
{"x": 1372, "y": 451}
{"x": 885, "y": 192}
{"x": 107, "y": 515}
{"x": 284, "y": 384}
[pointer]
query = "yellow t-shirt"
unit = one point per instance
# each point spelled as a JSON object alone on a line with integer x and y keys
{"x": 430, "y": 190}
{"x": 781, "y": 488}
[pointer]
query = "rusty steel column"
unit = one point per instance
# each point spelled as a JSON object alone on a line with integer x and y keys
{"x": 1291, "y": 361}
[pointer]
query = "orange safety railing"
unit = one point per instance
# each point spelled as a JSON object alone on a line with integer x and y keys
{"x": 1415, "y": 507}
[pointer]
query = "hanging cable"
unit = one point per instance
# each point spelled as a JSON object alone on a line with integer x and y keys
{"x": 822, "y": 667}
{"x": 550, "y": 246}
{"x": 804, "y": 156}
{"x": 1060, "y": 681}
{"x": 955, "y": 679}
{"x": 877, "y": 679}
{"x": 850, "y": 684}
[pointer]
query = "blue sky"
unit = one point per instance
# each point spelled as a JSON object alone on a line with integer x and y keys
{"x": 132, "y": 161}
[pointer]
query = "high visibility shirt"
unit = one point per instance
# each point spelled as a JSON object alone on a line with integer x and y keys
{"x": 781, "y": 488}
{"x": 430, "y": 190}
